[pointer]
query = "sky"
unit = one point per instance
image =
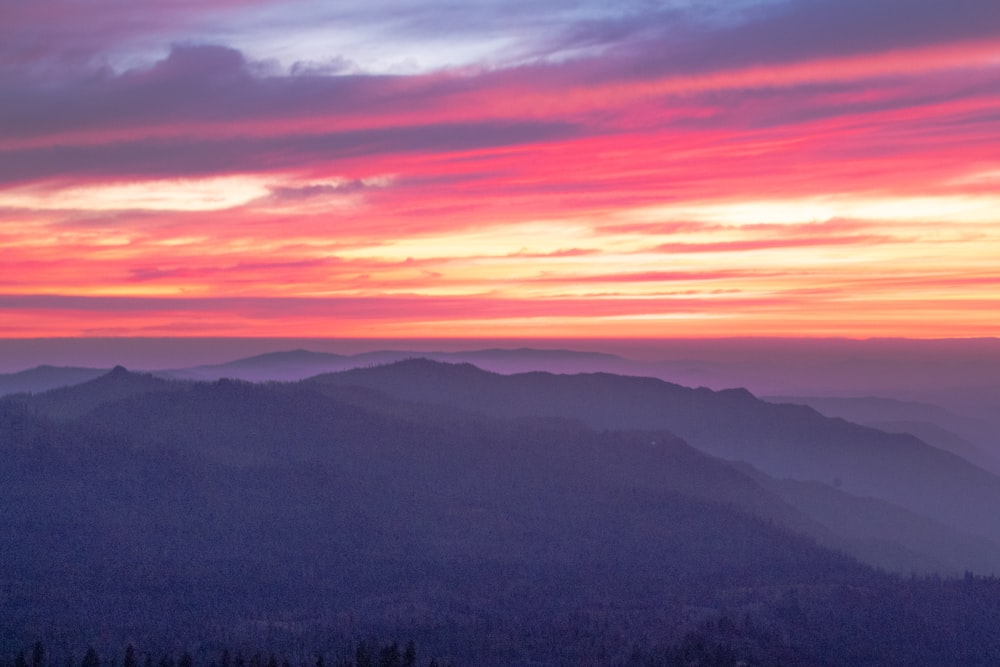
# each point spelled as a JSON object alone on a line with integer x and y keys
{"x": 476, "y": 168}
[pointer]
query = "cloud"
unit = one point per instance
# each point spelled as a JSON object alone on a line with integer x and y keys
{"x": 59, "y": 36}
{"x": 565, "y": 252}
{"x": 359, "y": 308}
{"x": 179, "y": 158}
{"x": 796, "y": 31}
{"x": 744, "y": 245}
{"x": 656, "y": 276}
{"x": 294, "y": 194}
{"x": 197, "y": 66}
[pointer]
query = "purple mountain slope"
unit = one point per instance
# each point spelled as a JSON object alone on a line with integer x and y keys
{"x": 781, "y": 440}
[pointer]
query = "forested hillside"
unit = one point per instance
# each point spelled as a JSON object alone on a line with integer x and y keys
{"x": 296, "y": 519}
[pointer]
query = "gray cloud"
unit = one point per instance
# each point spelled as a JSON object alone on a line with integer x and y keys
{"x": 806, "y": 29}
{"x": 160, "y": 158}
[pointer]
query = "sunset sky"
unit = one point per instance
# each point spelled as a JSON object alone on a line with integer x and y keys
{"x": 482, "y": 168}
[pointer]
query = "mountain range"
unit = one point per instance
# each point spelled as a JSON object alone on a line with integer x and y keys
{"x": 532, "y": 517}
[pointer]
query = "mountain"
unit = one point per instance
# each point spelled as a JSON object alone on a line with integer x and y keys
{"x": 78, "y": 399}
{"x": 881, "y": 533}
{"x": 240, "y": 421}
{"x": 300, "y": 364}
{"x": 280, "y": 366}
{"x": 782, "y": 440}
{"x": 134, "y": 508}
{"x": 524, "y": 359}
{"x": 971, "y": 438}
{"x": 893, "y": 534}
{"x": 980, "y": 404}
{"x": 43, "y": 378}
{"x": 231, "y": 504}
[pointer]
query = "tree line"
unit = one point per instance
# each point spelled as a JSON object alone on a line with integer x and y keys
{"x": 365, "y": 653}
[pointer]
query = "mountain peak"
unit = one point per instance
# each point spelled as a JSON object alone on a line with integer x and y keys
{"x": 426, "y": 364}
{"x": 116, "y": 384}
{"x": 292, "y": 355}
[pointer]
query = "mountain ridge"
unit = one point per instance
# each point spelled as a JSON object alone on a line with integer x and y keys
{"x": 169, "y": 406}
{"x": 783, "y": 440}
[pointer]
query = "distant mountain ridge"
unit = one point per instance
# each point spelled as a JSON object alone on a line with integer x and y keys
{"x": 903, "y": 534}
{"x": 44, "y": 378}
{"x": 118, "y": 383}
{"x": 781, "y": 440}
{"x": 969, "y": 437}
{"x": 299, "y": 364}
{"x": 774, "y": 452}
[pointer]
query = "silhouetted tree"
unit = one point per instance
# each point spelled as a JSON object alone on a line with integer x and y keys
{"x": 90, "y": 658}
{"x": 389, "y": 656}
{"x": 362, "y": 656}
{"x": 130, "y": 660}
{"x": 410, "y": 655}
{"x": 38, "y": 655}
{"x": 20, "y": 660}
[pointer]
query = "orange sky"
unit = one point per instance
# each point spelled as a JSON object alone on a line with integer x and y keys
{"x": 660, "y": 170}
